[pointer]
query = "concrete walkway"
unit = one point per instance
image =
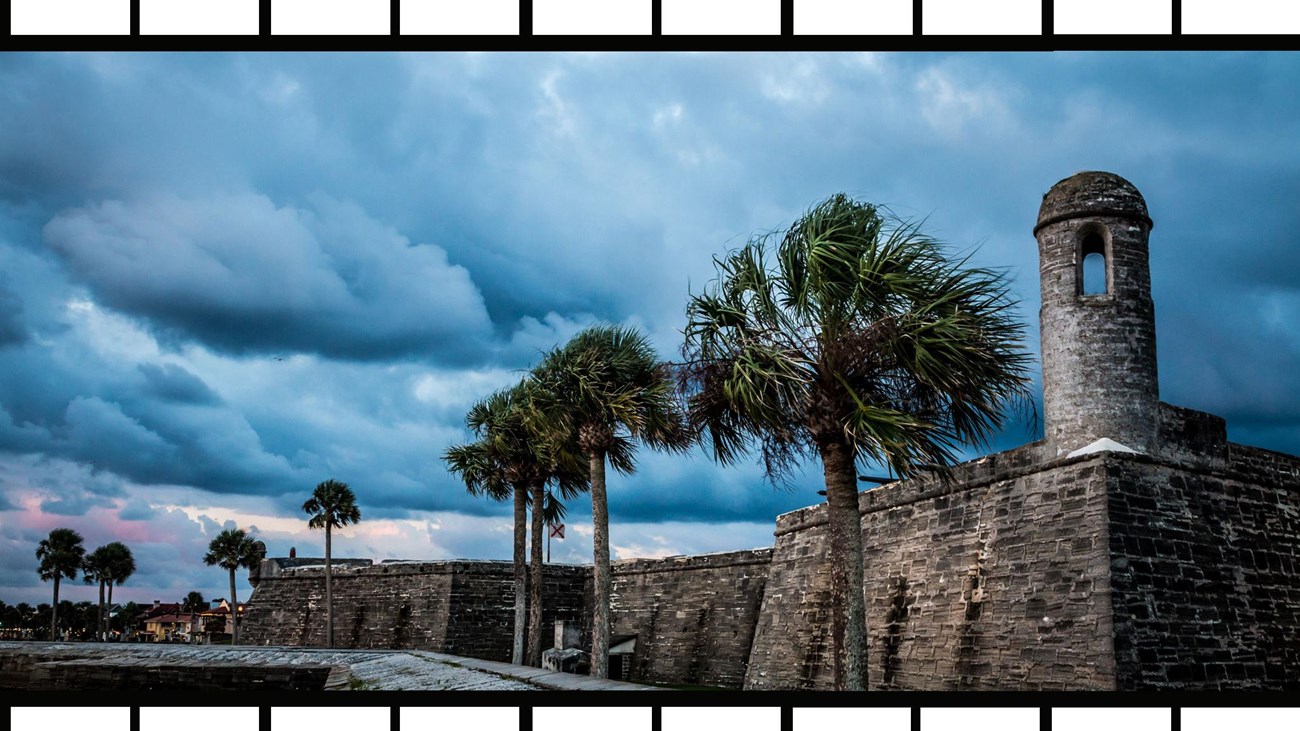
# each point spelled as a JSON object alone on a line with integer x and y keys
{"x": 350, "y": 669}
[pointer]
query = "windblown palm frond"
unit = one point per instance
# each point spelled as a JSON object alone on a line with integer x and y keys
{"x": 606, "y": 388}
{"x": 861, "y": 329}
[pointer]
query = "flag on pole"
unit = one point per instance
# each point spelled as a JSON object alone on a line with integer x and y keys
{"x": 557, "y": 531}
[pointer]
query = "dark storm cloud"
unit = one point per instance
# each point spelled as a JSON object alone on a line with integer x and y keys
{"x": 73, "y": 505}
{"x": 244, "y": 275}
{"x": 137, "y": 510}
{"x": 171, "y": 382}
{"x": 12, "y": 330}
{"x": 150, "y": 423}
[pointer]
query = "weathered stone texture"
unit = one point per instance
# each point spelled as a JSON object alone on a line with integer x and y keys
{"x": 460, "y": 607}
{"x": 1192, "y": 437}
{"x": 1204, "y": 572}
{"x": 60, "y": 666}
{"x": 96, "y": 675}
{"x": 694, "y": 616}
{"x": 995, "y": 578}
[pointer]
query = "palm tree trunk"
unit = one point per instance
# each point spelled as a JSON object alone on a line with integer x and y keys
{"x": 535, "y": 586}
{"x": 848, "y": 605}
{"x": 99, "y": 616}
{"x": 329, "y": 591}
{"x": 521, "y": 573}
{"x": 600, "y": 542}
{"x": 108, "y": 618}
{"x": 54, "y": 612}
{"x": 234, "y": 612}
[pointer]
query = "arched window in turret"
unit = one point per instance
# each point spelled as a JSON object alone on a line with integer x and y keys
{"x": 1094, "y": 270}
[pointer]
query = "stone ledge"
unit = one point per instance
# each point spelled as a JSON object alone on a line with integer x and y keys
{"x": 80, "y": 666}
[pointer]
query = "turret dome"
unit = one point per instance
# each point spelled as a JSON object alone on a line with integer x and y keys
{"x": 1092, "y": 194}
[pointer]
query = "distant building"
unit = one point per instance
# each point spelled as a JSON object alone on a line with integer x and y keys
{"x": 170, "y": 627}
{"x": 216, "y": 621}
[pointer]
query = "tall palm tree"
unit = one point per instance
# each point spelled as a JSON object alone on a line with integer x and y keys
{"x": 331, "y": 505}
{"x": 509, "y": 460}
{"x": 193, "y": 603}
{"x": 119, "y": 565}
{"x": 60, "y": 555}
{"x": 606, "y": 389}
{"x": 551, "y": 513}
{"x": 485, "y": 467}
{"x": 94, "y": 568}
{"x": 232, "y": 549}
{"x": 859, "y": 341}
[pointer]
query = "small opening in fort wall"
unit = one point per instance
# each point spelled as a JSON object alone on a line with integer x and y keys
{"x": 1093, "y": 274}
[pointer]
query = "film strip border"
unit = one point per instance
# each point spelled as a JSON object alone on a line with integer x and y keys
{"x": 655, "y": 24}
{"x": 655, "y": 718}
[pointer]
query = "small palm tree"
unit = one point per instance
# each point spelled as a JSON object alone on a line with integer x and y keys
{"x": 119, "y": 564}
{"x": 232, "y": 549}
{"x": 859, "y": 341}
{"x": 605, "y": 390}
{"x": 94, "y": 568}
{"x": 331, "y": 505}
{"x": 60, "y": 555}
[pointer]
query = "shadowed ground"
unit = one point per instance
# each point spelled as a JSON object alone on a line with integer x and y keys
{"x": 92, "y": 666}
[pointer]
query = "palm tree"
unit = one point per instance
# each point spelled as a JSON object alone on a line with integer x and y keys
{"x": 861, "y": 342}
{"x": 510, "y": 460}
{"x": 331, "y": 505}
{"x": 551, "y": 513}
{"x": 93, "y": 569}
{"x": 484, "y": 466}
{"x": 606, "y": 389}
{"x": 119, "y": 564}
{"x": 231, "y": 549}
{"x": 60, "y": 555}
{"x": 193, "y": 603}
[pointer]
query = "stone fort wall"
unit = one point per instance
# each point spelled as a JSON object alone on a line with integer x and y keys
{"x": 458, "y": 607}
{"x": 1205, "y": 571}
{"x": 694, "y": 616}
{"x": 995, "y": 577}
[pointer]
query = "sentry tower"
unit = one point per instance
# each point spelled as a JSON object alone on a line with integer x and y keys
{"x": 1097, "y": 319}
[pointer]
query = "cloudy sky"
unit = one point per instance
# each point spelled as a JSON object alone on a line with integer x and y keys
{"x": 226, "y": 278}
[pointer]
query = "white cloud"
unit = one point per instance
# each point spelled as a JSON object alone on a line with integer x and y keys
{"x": 111, "y": 335}
{"x": 953, "y": 107}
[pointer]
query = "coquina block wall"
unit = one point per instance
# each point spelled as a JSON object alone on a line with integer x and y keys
{"x": 1104, "y": 571}
{"x": 995, "y": 577}
{"x": 459, "y": 607}
{"x": 1205, "y": 570}
{"x": 694, "y": 616}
